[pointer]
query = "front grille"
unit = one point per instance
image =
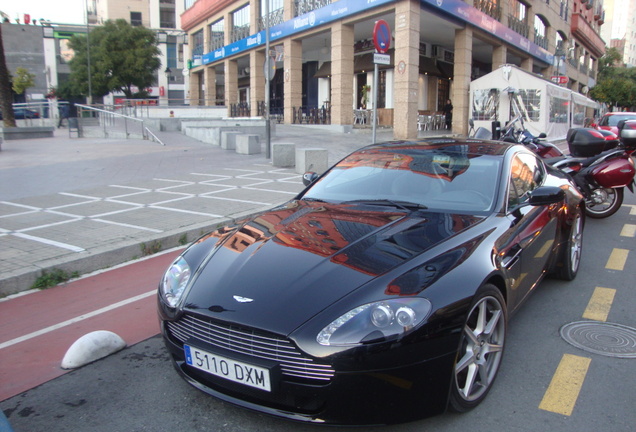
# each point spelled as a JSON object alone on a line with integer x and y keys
{"x": 251, "y": 342}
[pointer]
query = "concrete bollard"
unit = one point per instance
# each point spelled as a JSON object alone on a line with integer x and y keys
{"x": 283, "y": 155}
{"x": 248, "y": 144}
{"x": 228, "y": 140}
{"x": 312, "y": 159}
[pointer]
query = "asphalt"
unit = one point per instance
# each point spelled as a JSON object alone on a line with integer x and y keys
{"x": 83, "y": 204}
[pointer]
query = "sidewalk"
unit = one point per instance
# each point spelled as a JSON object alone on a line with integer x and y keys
{"x": 84, "y": 204}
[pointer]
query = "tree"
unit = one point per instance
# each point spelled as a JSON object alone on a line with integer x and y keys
{"x": 616, "y": 86}
{"x": 22, "y": 80}
{"x": 122, "y": 57}
{"x": 6, "y": 98}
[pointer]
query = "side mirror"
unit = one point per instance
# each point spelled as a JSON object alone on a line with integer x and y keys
{"x": 309, "y": 178}
{"x": 546, "y": 195}
{"x": 542, "y": 135}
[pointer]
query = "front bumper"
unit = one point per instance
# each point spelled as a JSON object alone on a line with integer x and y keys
{"x": 354, "y": 397}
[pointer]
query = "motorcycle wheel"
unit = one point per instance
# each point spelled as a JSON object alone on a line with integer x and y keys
{"x": 603, "y": 202}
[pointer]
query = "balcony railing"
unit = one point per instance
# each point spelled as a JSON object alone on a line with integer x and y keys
{"x": 275, "y": 18}
{"x": 302, "y": 7}
{"x": 216, "y": 42}
{"x": 518, "y": 26}
{"x": 542, "y": 41}
{"x": 489, "y": 7}
{"x": 239, "y": 33}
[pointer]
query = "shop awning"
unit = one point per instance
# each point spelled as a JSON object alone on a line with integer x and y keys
{"x": 447, "y": 69}
{"x": 428, "y": 67}
{"x": 324, "y": 71}
{"x": 364, "y": 63}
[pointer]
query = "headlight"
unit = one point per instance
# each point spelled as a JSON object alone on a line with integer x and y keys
{"x": 174, "y": 282}
{"x": 374, "y": 321}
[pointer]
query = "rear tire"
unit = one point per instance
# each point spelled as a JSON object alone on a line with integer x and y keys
{"x": 604, "y": 202}
{"x": 480, "y": 350}
{"x": 570, "y": 254}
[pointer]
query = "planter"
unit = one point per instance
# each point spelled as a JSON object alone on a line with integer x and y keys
{"x": 30, "y": 132}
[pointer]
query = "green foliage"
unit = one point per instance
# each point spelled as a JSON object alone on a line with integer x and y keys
{"x": 22, "y": 80}
{"x": 53, "y": 278}
{"x": 150, "y": 249}
{"x": 123, "y": 58}
{"x": 183, "y": 240}
{"x": 616, "y": 86}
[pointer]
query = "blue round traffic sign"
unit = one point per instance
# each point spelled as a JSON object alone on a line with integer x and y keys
{"x": 381, "y": 36}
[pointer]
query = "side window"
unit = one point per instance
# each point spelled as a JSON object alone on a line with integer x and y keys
{"x": 526, "y": 174}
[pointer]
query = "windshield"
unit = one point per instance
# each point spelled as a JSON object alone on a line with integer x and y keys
{"x": 613, "y": 120}
{"x": 436, "y": 179}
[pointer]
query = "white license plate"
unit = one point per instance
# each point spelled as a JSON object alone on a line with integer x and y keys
{"x": 243, "y": 373}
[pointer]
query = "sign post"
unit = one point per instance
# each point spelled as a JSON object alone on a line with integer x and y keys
{"x": 382, "y": 43}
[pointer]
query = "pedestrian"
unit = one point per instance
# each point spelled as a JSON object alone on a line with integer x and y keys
{"x": 64, "y": 114}
{"x": 448, "y": 113}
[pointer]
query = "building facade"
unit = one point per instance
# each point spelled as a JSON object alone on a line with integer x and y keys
{"x": 43, "y": 48}
{"x": 323, "y": 53}
{"x": 619, "y": 30}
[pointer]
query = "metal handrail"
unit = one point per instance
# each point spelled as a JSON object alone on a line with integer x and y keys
{"x": 154, "y": 137}
{"x": 110, "y": 116}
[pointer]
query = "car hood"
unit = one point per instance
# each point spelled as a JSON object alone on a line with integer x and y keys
{"x": 612, "y": 129}
{"x": 281, "y": 268}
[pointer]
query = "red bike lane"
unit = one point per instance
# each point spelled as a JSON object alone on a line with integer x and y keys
{"x": 36, "y": 329}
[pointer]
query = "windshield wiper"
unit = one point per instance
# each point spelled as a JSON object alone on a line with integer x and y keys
{"x": 404, "y": 205}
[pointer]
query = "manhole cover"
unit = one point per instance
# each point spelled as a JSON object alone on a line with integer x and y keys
{"x": 612, "y": 340}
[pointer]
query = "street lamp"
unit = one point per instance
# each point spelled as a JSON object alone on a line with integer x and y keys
{"x": 168, "y": 73}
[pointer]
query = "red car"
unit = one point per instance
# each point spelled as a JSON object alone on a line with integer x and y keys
{"x": 611, "y": 119}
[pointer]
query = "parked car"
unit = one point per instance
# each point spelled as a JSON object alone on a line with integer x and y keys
{"x": 609, "y": 121}
{"x": 23, "y": 113}
{"x": 381, "y": 293}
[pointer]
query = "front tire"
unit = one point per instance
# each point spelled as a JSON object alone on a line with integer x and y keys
{"x": 570, "y": 255}
{"x": 604, "y": 202}
{"x": 480, "y": 350}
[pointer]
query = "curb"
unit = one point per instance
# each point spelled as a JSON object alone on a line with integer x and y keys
{"x": 103, "y": 259}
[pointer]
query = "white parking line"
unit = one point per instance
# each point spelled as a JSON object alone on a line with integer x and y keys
{"x": 50, "y": 242}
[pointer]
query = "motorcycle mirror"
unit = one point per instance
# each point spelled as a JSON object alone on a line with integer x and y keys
{"x": 542, "y": 135}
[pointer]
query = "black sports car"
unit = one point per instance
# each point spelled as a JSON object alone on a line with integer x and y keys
{"x": 381, "y": 293}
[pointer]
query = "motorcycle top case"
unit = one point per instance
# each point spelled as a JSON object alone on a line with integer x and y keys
{"x": 588, "y": 142}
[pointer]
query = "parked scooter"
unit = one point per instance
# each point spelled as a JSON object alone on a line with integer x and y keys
{"x": 515, "y": 131}
{"x": 599, "y": 163}
{"x": 601, "y": 166}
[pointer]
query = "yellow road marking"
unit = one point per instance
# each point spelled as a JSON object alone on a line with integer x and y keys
{"x": 628, "y": 230}
{"x": 617, "y": 259}
{"x": 599, "y": 306}
{"x": 566, "y": 384}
